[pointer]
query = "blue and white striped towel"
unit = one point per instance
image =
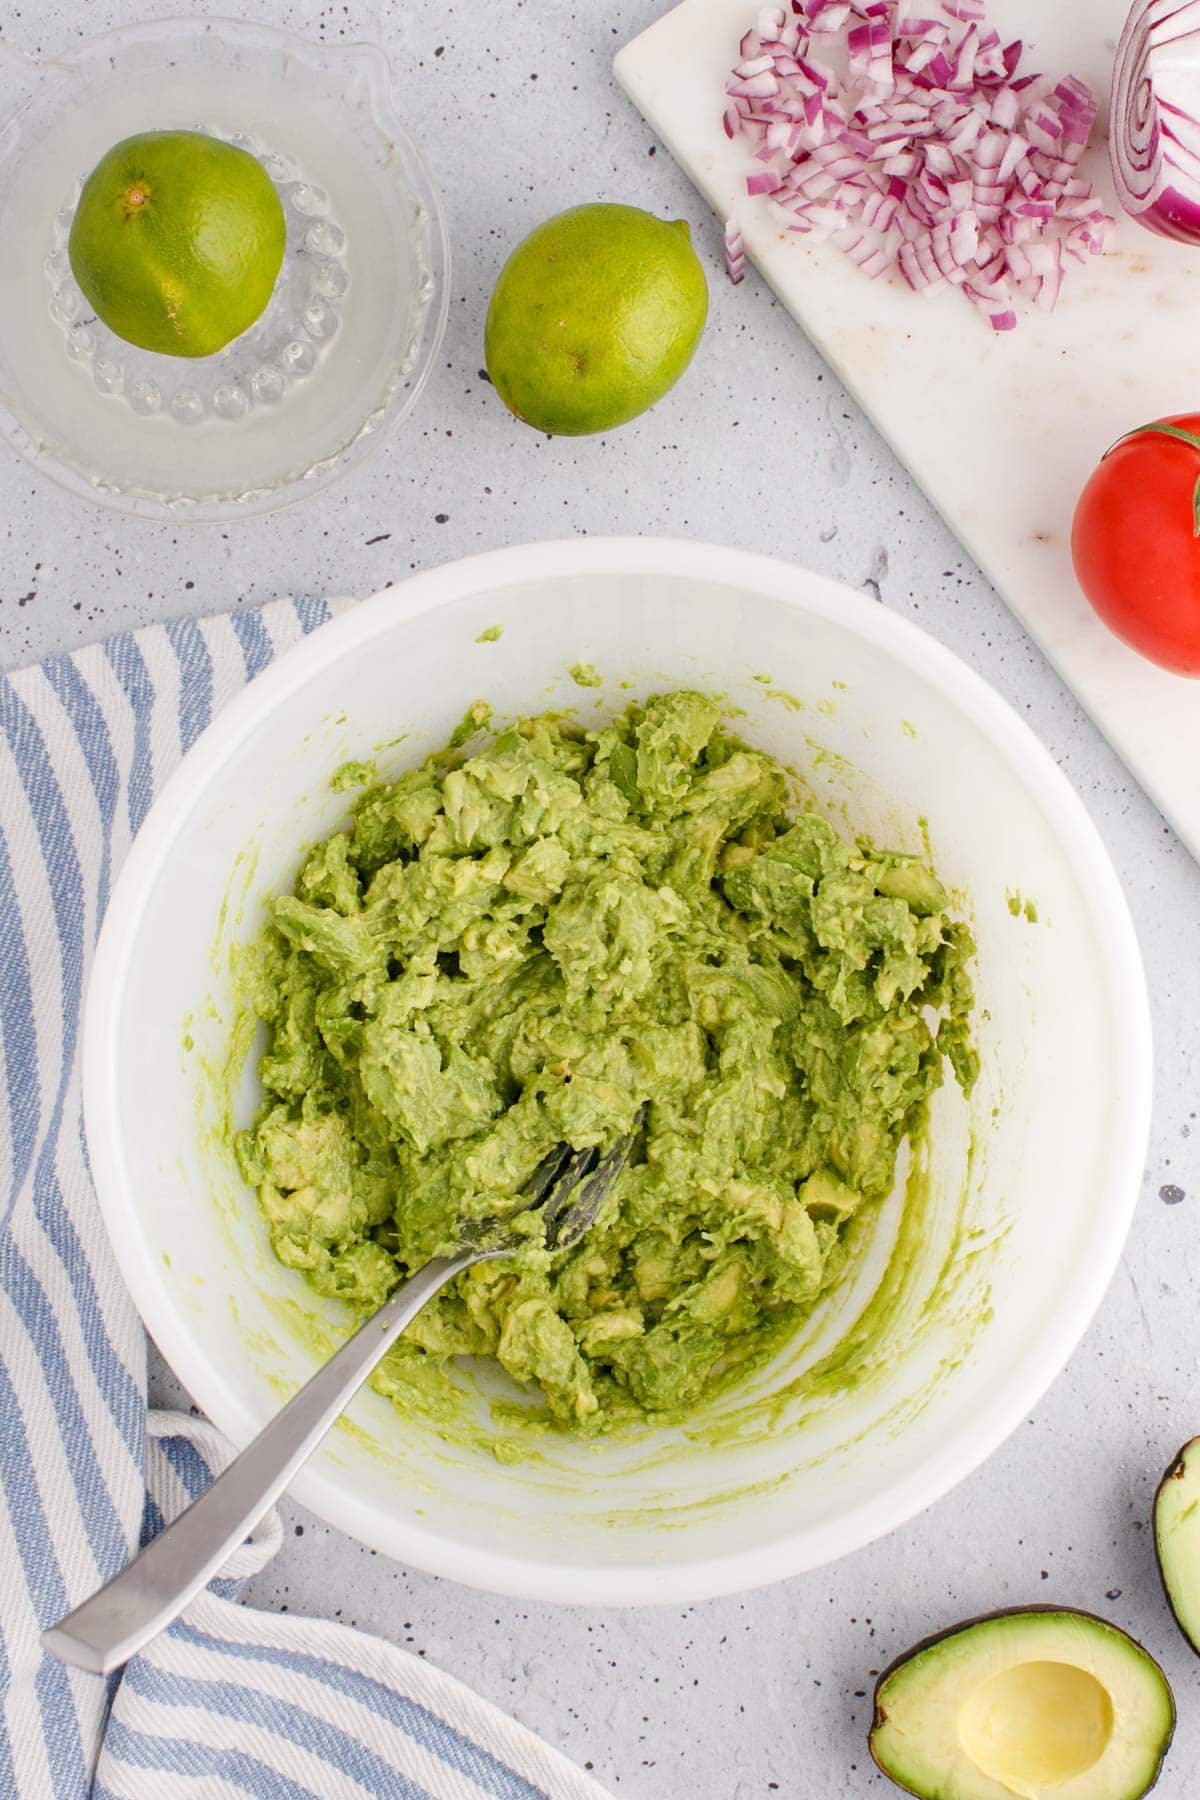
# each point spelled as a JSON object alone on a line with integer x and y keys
{"x": 229, "y": 1701}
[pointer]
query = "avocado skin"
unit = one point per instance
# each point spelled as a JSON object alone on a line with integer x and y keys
{"x": 1009, "y": 1612}
{"x": 1175, "y": 1472}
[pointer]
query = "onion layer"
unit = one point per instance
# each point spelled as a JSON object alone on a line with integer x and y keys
{"x": 1154, "y": 135}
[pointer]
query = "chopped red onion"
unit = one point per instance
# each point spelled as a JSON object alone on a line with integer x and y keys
{"x": 735, "y": 255}
{"x": 911, "y": 142}
{"x": 1154, "y": 124}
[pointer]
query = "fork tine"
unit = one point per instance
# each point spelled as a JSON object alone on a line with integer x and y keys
{"x": 547, "y": 1173}
{"x": 577, "y": 1210}
{"x": 568, "y": 1188}
{"x": 547, "y": 1191}
{"x": 564, "y": 1187}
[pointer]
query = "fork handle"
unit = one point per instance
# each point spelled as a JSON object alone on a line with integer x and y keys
{"x": 106, "y": 1630}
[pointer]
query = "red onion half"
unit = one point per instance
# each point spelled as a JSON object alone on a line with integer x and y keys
{"x": 911, "y": 142}
{"x": 1154, "y": 136}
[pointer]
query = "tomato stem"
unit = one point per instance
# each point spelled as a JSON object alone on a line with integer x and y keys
{"x": 1185, "y": 437}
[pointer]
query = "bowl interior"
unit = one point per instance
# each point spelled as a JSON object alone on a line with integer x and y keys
{"x": 967, "y": 1289}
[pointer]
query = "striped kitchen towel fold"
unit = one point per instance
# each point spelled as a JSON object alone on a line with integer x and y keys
{"x": 229, "y": 1701}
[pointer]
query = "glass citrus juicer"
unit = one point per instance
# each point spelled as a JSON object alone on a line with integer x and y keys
{"x": 344, "y": 346}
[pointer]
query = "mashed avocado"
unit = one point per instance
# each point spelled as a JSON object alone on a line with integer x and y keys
{"x": 524, "y": 945}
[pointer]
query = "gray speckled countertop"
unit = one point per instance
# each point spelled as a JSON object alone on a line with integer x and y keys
{"x": 517, "y": 110}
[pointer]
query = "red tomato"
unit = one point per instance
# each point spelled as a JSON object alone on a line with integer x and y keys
{"x": 1135, "y": 547}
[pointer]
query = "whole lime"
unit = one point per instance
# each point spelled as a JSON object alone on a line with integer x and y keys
{"x": 595, "y": 315}
{"x": 177, "y": 241}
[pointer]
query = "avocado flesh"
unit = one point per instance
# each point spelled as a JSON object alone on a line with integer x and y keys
{"x": 1177, "y": 1539}
{"x": 1043, "y": 1704}
{"x": 523, "y": 945}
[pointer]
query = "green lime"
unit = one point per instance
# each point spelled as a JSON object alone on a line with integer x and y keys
{"x": 177, "y": 241}
{"x": 595, "y": 315}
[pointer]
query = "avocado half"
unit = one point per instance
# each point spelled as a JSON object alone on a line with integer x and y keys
{"x": 1177, "y": 1539}
{"x": 1043, "y": 1704}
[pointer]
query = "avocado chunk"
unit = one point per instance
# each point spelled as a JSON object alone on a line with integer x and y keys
{"x": 1041, "y": 1704}
{"x": 1177, "y": 1539}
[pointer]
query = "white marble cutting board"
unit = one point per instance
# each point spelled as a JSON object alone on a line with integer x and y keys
{"x": 1001, "y": 430}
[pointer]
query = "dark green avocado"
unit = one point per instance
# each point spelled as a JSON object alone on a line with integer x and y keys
{"x": 1041, "y": 1704}
{"x": 1177, "y": 1539}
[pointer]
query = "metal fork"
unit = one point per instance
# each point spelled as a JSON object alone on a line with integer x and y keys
{"x": 569, "y": 1186}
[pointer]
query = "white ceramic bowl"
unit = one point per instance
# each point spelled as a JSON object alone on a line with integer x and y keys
{"x": 1010, "y": 1239}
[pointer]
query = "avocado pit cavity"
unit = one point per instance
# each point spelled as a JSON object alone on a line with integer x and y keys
{"x": 1036, "y": 1725}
